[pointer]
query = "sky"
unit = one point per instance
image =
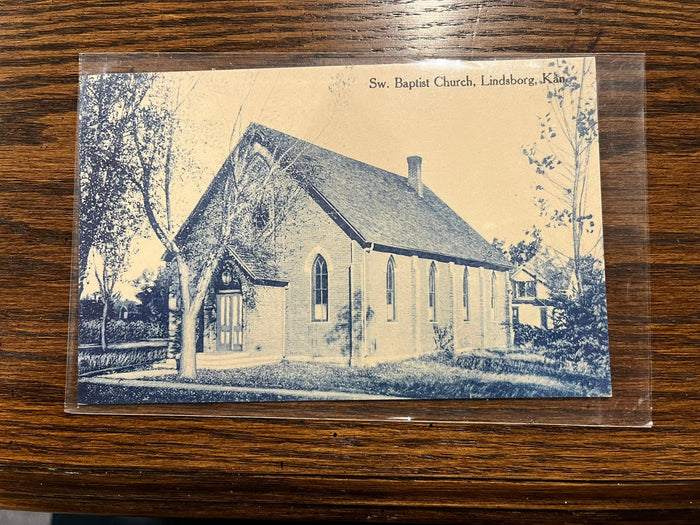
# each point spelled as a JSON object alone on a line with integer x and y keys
{"x": 468, "y": 121}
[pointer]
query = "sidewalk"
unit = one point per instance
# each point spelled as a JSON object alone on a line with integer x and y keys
{"x": 131, "y": 379}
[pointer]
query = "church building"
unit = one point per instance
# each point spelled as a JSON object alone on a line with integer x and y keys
{"x": 326, "y": 258}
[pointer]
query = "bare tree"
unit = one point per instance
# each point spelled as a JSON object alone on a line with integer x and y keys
{"x": 240, "y": 214}
{"x": 107, "y": 263}
{"x": 561, "y": 156}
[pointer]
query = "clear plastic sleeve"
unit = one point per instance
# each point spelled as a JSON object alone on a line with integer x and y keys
{"x": 248, "y": 245}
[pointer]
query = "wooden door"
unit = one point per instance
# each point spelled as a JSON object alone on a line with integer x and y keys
{"x": 229, "y": 322}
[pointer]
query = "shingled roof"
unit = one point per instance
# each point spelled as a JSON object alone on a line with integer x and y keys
{"x": 260, "y": 269}
{"x": 379, "y": 207}
{"x": 374, "y": 206}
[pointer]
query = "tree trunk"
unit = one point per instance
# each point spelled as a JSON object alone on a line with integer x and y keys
{"x": 577, "y": 257}
{"x": 188, "y": 346}
{"x": 188, "y": 350}
{"x": 103, "y": 325}
{"x": 576, "y": 221}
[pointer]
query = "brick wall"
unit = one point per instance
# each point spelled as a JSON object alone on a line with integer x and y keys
{"x": 308, "y": 232}
{"x": 496, "y": 319}
{"x": 468, "y": 329}
{"x": 389, "y": 340}
{"x": 263, "y": 326}
{"x": 412, "y": 333}
{"x": 263, "y": 322}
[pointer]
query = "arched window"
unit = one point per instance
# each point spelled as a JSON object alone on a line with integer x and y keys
{"x": 432, "y": 298}
{"x": 261, "y": 215}
{"x": 391, "y": 290}
{"x": 493, "y": 295}
{"x": 259, "y": 198}
{"x": 465, "y": 293}
{"x": 319, "y": 290}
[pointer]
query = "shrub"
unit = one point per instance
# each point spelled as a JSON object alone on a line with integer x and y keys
{"x": 580, "y": 332}
{"x": 578, "y": 350}
{"x": 444, "y": 339}
{"x": 126, "y": 331}
{"x": 89, "y": 331}
{"x": 96, "y": 359}
{"x": 525, "y": 335}
{"x": 119, "y": 331}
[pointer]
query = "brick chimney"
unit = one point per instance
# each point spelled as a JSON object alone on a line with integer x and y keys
{"x": 415, "y": 179}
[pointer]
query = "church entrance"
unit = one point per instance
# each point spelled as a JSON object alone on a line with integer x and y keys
{"x": 229, "y": 321}
{"x": 229, "y": 313}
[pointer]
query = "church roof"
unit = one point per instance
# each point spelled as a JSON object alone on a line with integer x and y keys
{"x": 374, "y": 206}
{"x": 379, "y": 207}
{"x": 260, "y": 269}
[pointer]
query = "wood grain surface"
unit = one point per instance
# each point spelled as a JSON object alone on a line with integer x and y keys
{"x": 369, "y": 471}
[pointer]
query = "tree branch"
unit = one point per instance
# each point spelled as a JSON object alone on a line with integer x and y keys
{"x": 160, "y": 232}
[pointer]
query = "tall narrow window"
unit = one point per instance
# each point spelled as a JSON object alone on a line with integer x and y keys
{"x": 391, "y": 290}
{"x": 465, "y": 293}
{"x": 432, "y": 298}
{"x": 319, "y": 290}
{"x": 493, "y": 295}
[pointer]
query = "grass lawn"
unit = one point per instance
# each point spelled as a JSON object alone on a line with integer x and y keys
{"x": 485, "y": 375}
{"x": 420, "y": 378}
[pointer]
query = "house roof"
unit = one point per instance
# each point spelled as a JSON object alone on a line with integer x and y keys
{"x": 379, "y": 207}
{"x": 374, "y": 206}
{"x": 522, "y": 274}
{"x": 548, "y": 267}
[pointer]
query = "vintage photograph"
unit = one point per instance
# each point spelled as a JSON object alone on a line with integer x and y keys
{"x": 430, "y": 230}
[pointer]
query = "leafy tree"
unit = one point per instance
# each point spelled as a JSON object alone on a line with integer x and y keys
{"x": 111, "y": 251}
{"x": 561, "y": 155}
{"x": 107, "y": 105}
{"x": 522, "y": 252}
{"x": 109, "y": 213}
{"x": 107, "y": 263}
{"x": 585, "y": 317}
{"x": 154, "y": 294}
{"x": 526, "y": 249}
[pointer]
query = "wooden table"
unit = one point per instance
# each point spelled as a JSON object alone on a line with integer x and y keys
{"x": 397, "y": 471}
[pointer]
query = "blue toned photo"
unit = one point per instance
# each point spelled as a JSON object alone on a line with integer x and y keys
{"x": 415, "y": 231}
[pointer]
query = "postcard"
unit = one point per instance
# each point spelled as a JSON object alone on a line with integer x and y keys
{"x": 426, "y": 230}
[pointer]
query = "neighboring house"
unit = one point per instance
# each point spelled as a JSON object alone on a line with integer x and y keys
{"x": 128, "y": 310}
{"x": 123, "y": 310}
{"x": 358, "y": 266}
{"x": 531, "y": 299}
{"x": 533, "y": 285}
